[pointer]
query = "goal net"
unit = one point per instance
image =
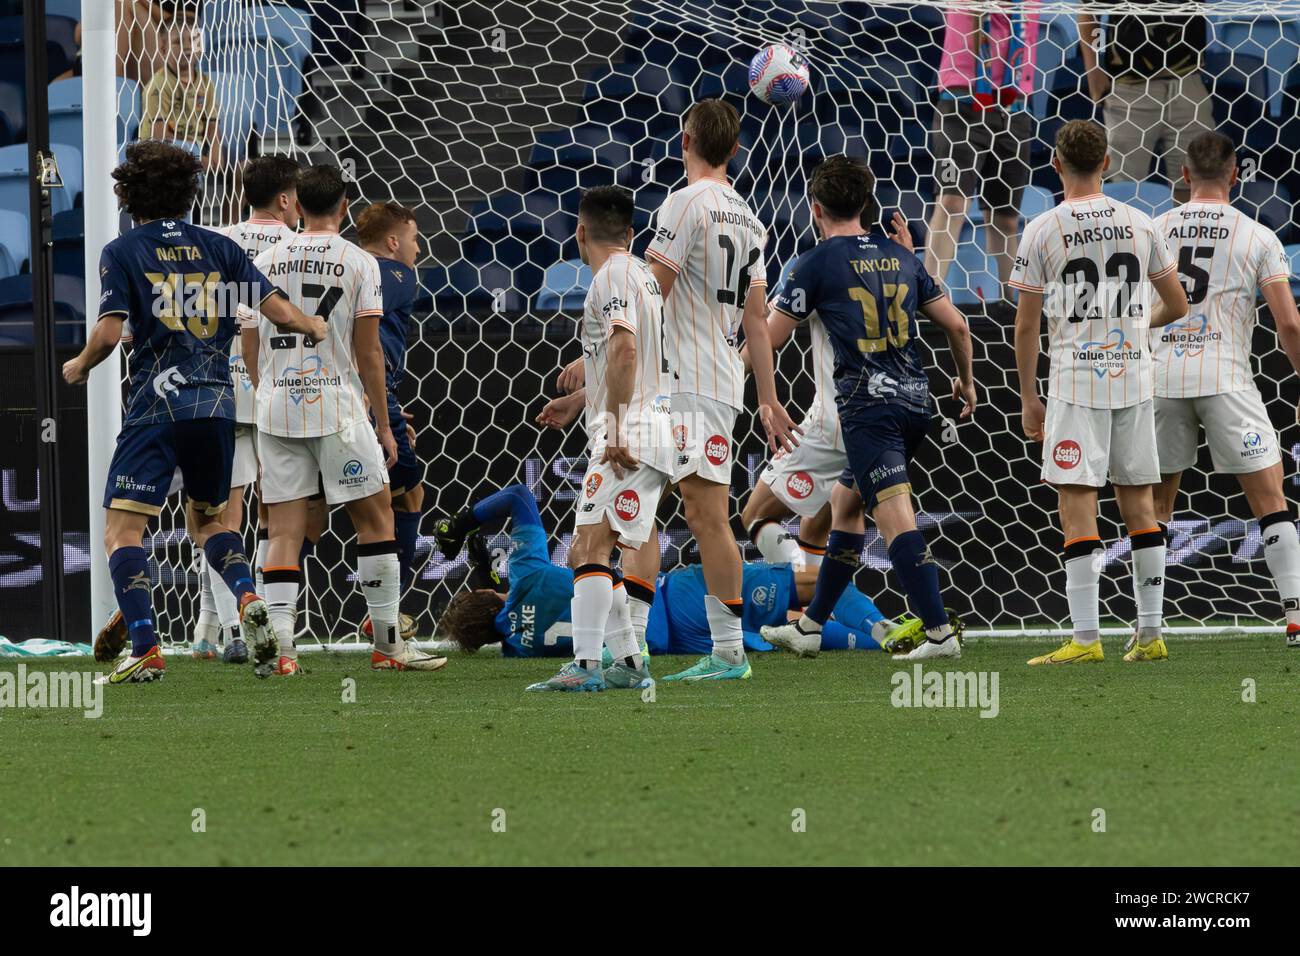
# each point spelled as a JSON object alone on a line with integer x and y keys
{"x": 489, "y": 117}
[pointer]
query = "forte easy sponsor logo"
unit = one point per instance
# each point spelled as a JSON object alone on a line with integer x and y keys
{"x": 627, "y": 505}
{"x": 717, "y": 449}
{"x": 1067, "y": 454}
{"x": 800, "y": 485}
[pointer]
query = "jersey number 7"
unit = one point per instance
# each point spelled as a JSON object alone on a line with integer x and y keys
{"x": 326, "y": 298}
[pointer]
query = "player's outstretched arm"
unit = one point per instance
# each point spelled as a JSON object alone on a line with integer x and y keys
{"x": 100, "y": 343}
{"x": 250, "y": 344}
{"x": 283, "y": 314}
{"x": 1029, "y": 317}
{"x": 560, "y": 412}
{"x": 782, "y": 433}
{"x": 779, "y": 329}
{"x": 572, "y": 377}
{"x": 1173, "y": 300}
{"x": 370, "y": 369}
{"x": 620, "y": 379}
{"x": 944, "y": 314}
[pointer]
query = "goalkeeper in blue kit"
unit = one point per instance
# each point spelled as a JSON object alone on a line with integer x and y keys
{"x": 528, "y": 612}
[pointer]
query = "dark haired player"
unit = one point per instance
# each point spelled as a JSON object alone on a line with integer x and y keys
{"x": 1090, "y": 264}
{"x": 388, "y": 231}
{"x": 1202, "y": 363}
{"x": 270, "y": 188}
{"x": 179, "y": 286}
{"x": 869, "y": 292}
{"x": 528, "y": 612}
{"x": 313, "y": 424}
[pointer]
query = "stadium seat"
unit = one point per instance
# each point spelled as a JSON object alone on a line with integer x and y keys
{"x": 16, "y": 317}
{"x": 1268, "y": 202}
{"x": 13, "y": 113}
{"x": 972, "y": 279}
{"x": 65, "y": 112}
{"x": 1240, "y": 91}
{"x": 1036, "y": 201}
{"x": 1149, "y": 196}
{"x": 565, "y": 287}
{"x": 129, "y": 110}
{"x": 63, "y": 8}
{"x": 15, "y": 241}
{"x": 237, "y": 111}
{"x": 1274, "y": 42}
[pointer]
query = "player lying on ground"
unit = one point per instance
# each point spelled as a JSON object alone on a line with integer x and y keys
{"x": 800, "y": 482}
{"x": 388, "y": 232}
{"x": 869, "y": 292}
{"x": 1203, "y": 374}
{"x": 180, "y": 406}
{"x": 529, "y": 613}
{"x": 313, "y": 425}
{"x": 271, "y": 188}
{"x": 1091, "y": 264}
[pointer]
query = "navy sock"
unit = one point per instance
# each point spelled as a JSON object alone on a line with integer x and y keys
{"x": 225, "y": 552}
{"x": 406, "y": 525}
{"x": 133, "y": 589}
{"x": 843, "y": 556}
{"x": 919, "y": 576}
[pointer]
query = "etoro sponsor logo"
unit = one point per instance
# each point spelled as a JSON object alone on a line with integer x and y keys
{"x": 593, "y": 485}
{"x": 627, "y": 505}
{"x": 717, "y": 449}
{"x": 800, "y": 485}
{"x": 1067, "y": 454}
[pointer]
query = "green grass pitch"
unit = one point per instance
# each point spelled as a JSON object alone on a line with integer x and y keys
{"x": 462, "y": 767}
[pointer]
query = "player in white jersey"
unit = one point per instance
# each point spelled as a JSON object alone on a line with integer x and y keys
{"x": 629, "y": 434}
{"x": 270, "y": 188}
{"x": 313, "y": 425}
{"x": 1203, "y": 374}
{"x": 1090, "y": 264}
{"x": 800, "y": 482}
{"x": 707, "y": 254}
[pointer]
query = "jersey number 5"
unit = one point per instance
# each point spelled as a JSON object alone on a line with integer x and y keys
{"x": 1196, "y": 280}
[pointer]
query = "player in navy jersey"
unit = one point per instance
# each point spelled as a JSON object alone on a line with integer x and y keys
{"x": 529, "y": 612}
{"x": 179, "y": 286}
{"x": 389, "y": 232}
{"x": 869, "y": 292}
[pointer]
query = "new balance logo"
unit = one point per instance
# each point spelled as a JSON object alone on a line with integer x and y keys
{"x": 1152, "y": 582}
{"x": 1271, "y": 540}
{"x": 371, "y": 584}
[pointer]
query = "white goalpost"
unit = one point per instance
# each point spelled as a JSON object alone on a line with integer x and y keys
{"x": 488, "y": 118}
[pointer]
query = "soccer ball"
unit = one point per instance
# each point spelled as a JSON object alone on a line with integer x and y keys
{"x": 778, "y": 74}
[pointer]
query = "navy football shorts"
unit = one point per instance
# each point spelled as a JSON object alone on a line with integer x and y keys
{"x": 880, "y": 442}
{"x": 408, "y": 472}
{"x": 146, "y": 456}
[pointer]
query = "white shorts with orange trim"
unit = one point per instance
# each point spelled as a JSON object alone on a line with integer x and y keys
{"x": 628, "y": 503}
{"x": 803, "y": 479}
{"x": 1085, "y": 446}
{"x": 702, "y": 431}
{"x": 244, "y": 471}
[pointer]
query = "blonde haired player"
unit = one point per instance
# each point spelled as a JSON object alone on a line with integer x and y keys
{"x": 707, "y": 255}
{"x": 630, "y": 442}
{"x": 1090, "y": 264}
{"x": 314, "y": 426}
{"x": 1203, "y": 375}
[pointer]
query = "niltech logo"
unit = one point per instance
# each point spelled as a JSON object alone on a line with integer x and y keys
{"x": 354, "y": 473}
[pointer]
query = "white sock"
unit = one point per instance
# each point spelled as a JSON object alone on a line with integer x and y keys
{"x": 812, "y": 560}
{"x": 380, "y": 578}
{"x": 776, "y": 546}
{"x": 206, "y": 628}
{"x": 724, "y": 628}
{"x": 226, "y": 604}
{"x": 593, "y": 598}
{"x": 639, "y": 612}
{"x": 1149, "y": 590}
{"x": 259, "y": 561}
{"x": 620, "y": 638}
{"x": 282, "y": 603}
{"x": 880, "y": 630}
{"x": 1282, "y": 555}
{"x": 1082, "y": 582}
